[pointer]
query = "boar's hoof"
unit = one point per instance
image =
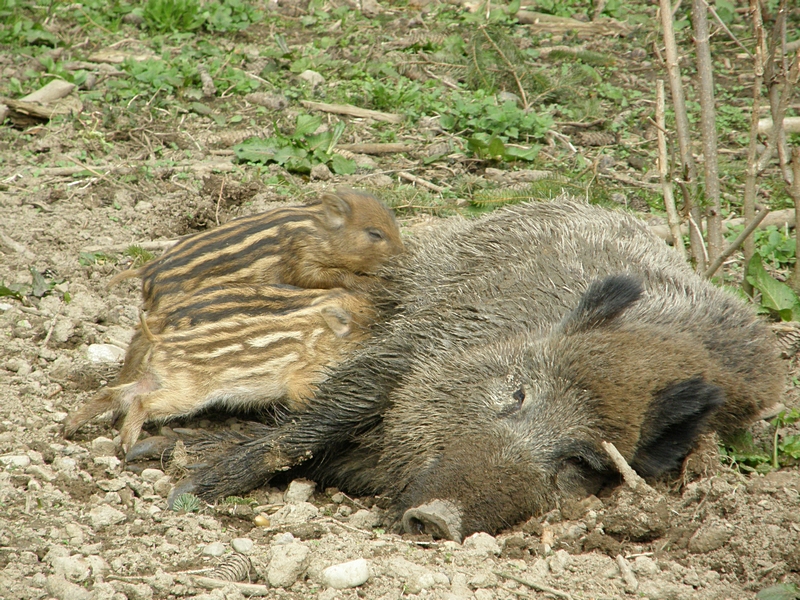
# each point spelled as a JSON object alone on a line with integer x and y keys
{"x": 153, "y": 447}
{"x": 438, "y": 518}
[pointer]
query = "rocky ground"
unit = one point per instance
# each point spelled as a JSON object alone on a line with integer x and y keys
{"x": 75, "y": 524}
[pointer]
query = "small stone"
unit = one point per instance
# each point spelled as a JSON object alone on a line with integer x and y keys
{"x": 143, "y": 206}
{"x": 61, "y": 589}
{"x": 337, "y": 498}
{"x": 73, "y": 568}
{"x": 482, "y": 543}
{"x": 105, "y": 353}
{"x": 364, "y": 519}
{"x": 152, "y": 475}
{"x": 15, "y": 461}
{"x": 710, "y": 537}
{"x": 283, "y": 538}
{"x": 103, "y": 516}
{"x": 299, "y": 490}
{"x": 346, "y": 575}
{"x": 65, "y": 464}
{"x": 294, "y": 514}
{"x": 312, "y": 77}
{"x": 288, "y": 562}
{"x": 344, "y": 511}
{"x": 112, "y": 463}
{"x": 644, "y": 565}
{"x": 41, "y": 472}
{"x": 163, "y": 486}
{"x": 484, "y": 594}
{"x": 321, "y": 172}
{"x": 63, "y": 330}
{"x": 214, "y": 549}
{"x": 242, "y": 545}
{"x": 103, "y": 446}
{"x": 559, "y": 561}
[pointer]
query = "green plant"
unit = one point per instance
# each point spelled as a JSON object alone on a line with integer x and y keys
{"x": 782, "y": 591}
{"x": 301, "y": 150}
{"x": 186, "y": 503}
{"x": 776, "y": 296}
{"x": 173, "y": 16}
{"x": 139, "y": 255}
{"x": 231, "y": 15}
{"x": 745, "y": 455}
{"x": 789, "y": 445}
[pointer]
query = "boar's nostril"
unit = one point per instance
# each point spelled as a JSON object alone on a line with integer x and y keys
{"x": 438, "y": 518}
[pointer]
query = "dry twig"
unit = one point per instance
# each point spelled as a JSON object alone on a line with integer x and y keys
{"x": 419, "y": 181}
{"x": 632, "y": 479}
{"x": 545, "y": 589}
{"x": 354, "y": 111}
{"x": 734, "y": 245}
{"x": 673, "y": 218}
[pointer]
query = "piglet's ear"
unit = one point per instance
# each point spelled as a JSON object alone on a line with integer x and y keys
{"x": 337, "y": 210}
{"x": 676, "y": 417}
{"x": 602, "y": 302}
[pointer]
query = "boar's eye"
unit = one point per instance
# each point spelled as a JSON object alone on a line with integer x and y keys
{"x": 375, "y": 235}
{"x": 519, "y": 395}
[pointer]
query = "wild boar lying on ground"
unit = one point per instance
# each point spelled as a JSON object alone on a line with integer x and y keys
{"x": 514, "y": 345}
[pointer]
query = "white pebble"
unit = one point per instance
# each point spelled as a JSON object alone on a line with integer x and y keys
{"x": 103, "y": 516}
{"x": 346, "y": 575}
{"x": 105, "y": 353}
{"x": 60, "y": 588}
{"x": 163, "y": 486}
{"x": 482, "y": 543}
{"x": 152, "y": 475}
{"x": 74, "y": 568}
{"x": 102, "y": 446}
{"x": 289, "y": 561}
{"x": 15, "y": 461}
{"x": 294, "y": 514}
{"x": 299, "y": 490}
{"x": 242, "y": 545}
{"x": 214, "y": 549}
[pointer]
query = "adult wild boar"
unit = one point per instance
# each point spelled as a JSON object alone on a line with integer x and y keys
{"x": 512, "y": 346}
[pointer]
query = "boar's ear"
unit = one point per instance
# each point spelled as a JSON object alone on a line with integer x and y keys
{"x": 337, "y": 210}
{"x": 603, "y": 301}
{"x": 676, "y": 417}
{"x": 338, "y": 319}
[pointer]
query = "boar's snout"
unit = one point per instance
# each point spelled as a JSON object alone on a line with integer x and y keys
{"x": 440, "y": 519}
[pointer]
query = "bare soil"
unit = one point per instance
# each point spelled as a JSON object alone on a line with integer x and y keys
{"x": 75, "y": 524}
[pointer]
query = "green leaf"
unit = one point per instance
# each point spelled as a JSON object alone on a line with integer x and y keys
{"x": 342, "y": 165}
{"x": 782, "y": 591}
{"x": 790, "y": 445}
{"x": 775, "y": 295}
{"x": 6, "y": 291}
{"x": 306, "y": 125}
{"x": 40, "y": 285}
{"x": 514, "y": 153}
{"x": 257, "y": 150}
{"x": 497, "y": 149}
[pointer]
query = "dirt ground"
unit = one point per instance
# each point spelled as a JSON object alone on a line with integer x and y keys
{"x": 75, "y": 524}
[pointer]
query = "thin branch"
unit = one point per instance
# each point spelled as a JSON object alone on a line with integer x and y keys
{"x": 736, "y": 243}
{"x": 419, "y": 181}
{"x": 630, "y": 476}
{"x": 509, "y": 65}
{"x": 535, "y": 586}
{"x": 673, "y": 218}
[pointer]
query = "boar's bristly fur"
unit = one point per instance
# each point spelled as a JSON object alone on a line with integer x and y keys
{"x": 519, "y": 342}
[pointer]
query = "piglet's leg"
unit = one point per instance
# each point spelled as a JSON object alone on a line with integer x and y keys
{"x": 102, "y": 402}
{"x": 133, "y": 423}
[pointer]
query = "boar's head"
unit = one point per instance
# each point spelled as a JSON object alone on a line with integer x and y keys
{"x": 523, "y": 427}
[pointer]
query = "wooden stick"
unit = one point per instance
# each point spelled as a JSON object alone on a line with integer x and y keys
{"x": 535, "y": 586}
{"x": 631, "y": 583}
{"x": 248, "y": 589}
{"x": 629, "y": 475}
{"x": 419, "y": 181}
{"x": 376, "y": 148}
{"x": 354, "y": 111}
{"x": 54, "y": 90}
{"x": 673, "y": 219}
{"x": 736, "y": 243}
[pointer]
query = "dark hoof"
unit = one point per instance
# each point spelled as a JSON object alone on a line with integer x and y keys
{"x": 186, "y": 486}
{"x": 150, "y": 448}
{"x": 438, "y": 518}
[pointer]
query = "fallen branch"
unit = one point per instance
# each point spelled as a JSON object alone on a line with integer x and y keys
{"x": 248, "y": 589}
{"x": 734, "y": 246}
{"x": 545, "y": 589}
{"x": 419, "y": 181}
{"x": 630, "y": 476}
{"x": 354, "y": 111}
{"x": 779, "y": 218}
{"x": 375, "y": 148}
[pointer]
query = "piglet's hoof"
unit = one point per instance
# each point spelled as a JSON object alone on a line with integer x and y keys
{"x": 438, "y": 518}
{"x": 150, "y": 448}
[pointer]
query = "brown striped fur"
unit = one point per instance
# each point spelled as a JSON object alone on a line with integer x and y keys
{"x": 340, "y": 241}
{"x": 233, "y": 347}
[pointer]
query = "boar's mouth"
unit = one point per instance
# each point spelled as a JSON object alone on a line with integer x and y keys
{"x": 440, "y": 519}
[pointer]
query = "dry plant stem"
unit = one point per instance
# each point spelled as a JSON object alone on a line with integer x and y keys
{"x": 509, "y": 65}
{"x": 794, "y": 192}
{"x": 353, "y": 111}
{"x": 708, "y": 128}
{"x": 377, "y": 148}
{"x": 630, "y": 476}
{"x": 631, "y": 583}
{"x": 736, "y": 243}
{"x": 673, "y": 218}
{"x": 545, "y": 589}
{"x": 419, "y": 181}
{"x": 688, "y": 169}
{"x": 726, "y": 30}
{"x": 751, "y": 170}
{"x": 248, "y": 589}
